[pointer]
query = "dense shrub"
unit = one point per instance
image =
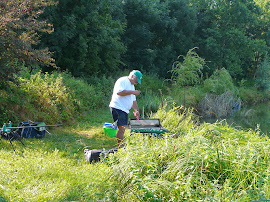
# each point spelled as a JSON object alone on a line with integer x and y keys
{"x": 88, "y": 96}
{"x": 153, "y": 94}
{"x": 262, "y": 81}
{"x": 219, "y": 82}
{"x": 187, "y": 96}
{"x": 46, "y": 98}
{"x": 37, "y": 97}
{"x": 60, "y": 97}
{"x": 250, "y": 95}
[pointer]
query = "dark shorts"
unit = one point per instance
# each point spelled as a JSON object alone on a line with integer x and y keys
{"x": 120, "y": 117}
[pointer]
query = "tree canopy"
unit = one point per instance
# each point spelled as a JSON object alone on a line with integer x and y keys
{"x": 100, "y": 37}
{"x": 19, "y": 35}
{"x": 86, "y": 38}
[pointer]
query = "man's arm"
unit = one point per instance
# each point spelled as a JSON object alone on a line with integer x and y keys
{"x": 129, "y": 92}
{"x": 136, "y": 109}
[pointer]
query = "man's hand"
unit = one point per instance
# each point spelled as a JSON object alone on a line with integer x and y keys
{"x": 136, "y": 114}
{"x": 136, "y": 92}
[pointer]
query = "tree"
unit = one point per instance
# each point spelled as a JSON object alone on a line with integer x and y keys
{"x": 189, "y": 71}
{"x": 157, "y": 32}
{"x": 87, "y": 36}
{"x": 229, "y": 36}
{"x": 19, "y": 34}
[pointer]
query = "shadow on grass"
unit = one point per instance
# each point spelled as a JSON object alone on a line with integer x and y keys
{"x": 69, "y": 142}
{"x": 59, "y": 156}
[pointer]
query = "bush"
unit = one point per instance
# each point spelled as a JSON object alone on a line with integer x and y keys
{"x": 219, "y": 82}
{"x": 177, "y": 119}
{"x": 46, "y": 98}
{"x": 251, "y": 95}
{"x": 152, "y": 83}
{"x": 88, "y": 96}
{"x": 37, "y": 97}
{"x": 189, "y": 71}
{"x": 149, "y": 103}
{"x": 153, "y": 94}
{"x": 187, "y": 96}
{"x": 262, "y": 81}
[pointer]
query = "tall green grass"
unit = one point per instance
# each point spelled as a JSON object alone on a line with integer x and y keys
{"x": 207, "y": 162}
{"x": 194, "y": 162}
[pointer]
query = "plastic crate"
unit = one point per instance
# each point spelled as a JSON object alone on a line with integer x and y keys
{"x": 110, "y": 132}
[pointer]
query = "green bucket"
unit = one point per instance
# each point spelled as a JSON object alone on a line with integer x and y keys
{"x": 110, "y": 132}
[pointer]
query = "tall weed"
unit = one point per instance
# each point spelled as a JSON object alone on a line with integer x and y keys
{"x": 88, "y": 96}
{"x": 47, "y": 98}
{"x": 154, "y": 94}
{"x": 188, "y": 72}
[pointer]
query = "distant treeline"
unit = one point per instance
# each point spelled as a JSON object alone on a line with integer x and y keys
{"x": 97, "y": 37}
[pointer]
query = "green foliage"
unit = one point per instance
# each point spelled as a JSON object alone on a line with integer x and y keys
{"x": 87, "y": 36}
{"x": 19, "y": 36}
{"x": 103, "y": 85}
{"x": 157, "y": 32}
{"x": 47, "y": 98}
{"x": 90, "y": 93}
{"x": 149, "y": 102}
{"x": 189, "y": 71}
{"x": 232, "y": 35}
{"x": 177, "y": 119}
{"x": 187, "y": 96}
{"x": 60, "y": 97}
{"x": 153, "y": 92}
{"x": 251, "y": 95}
{"x": 263, "y": 75}
{"x": 38, "y": 98}
{"x": 151, "y": 82}
{"x": 220, "y": 82}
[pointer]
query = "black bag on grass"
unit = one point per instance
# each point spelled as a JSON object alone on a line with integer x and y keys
{"x": 31, "y": 132}
{"x": 97, "y": 154}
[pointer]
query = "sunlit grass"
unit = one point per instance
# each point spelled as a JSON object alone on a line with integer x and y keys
{"x": 53, "y": 168}
{"x": 200, "y": 162}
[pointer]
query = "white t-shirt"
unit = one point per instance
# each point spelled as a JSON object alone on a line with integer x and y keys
{"x": 123, "y": 103}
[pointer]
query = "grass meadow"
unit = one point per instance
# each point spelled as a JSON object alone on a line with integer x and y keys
{"x": 196, "y": 162}
{"x": 53, "y": 168}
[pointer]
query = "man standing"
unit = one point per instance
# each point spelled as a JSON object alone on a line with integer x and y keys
{"x": 123, "y": 98}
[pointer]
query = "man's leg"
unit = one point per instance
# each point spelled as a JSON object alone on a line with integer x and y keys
{"x": 120, "y": 134}
{"x": 121, "y": 119}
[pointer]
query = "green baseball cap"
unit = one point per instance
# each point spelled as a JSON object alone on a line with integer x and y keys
{"x": 138, "y": 74}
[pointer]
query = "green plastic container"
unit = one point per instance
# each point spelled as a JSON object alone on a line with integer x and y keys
{"x": 110, "y": 132}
